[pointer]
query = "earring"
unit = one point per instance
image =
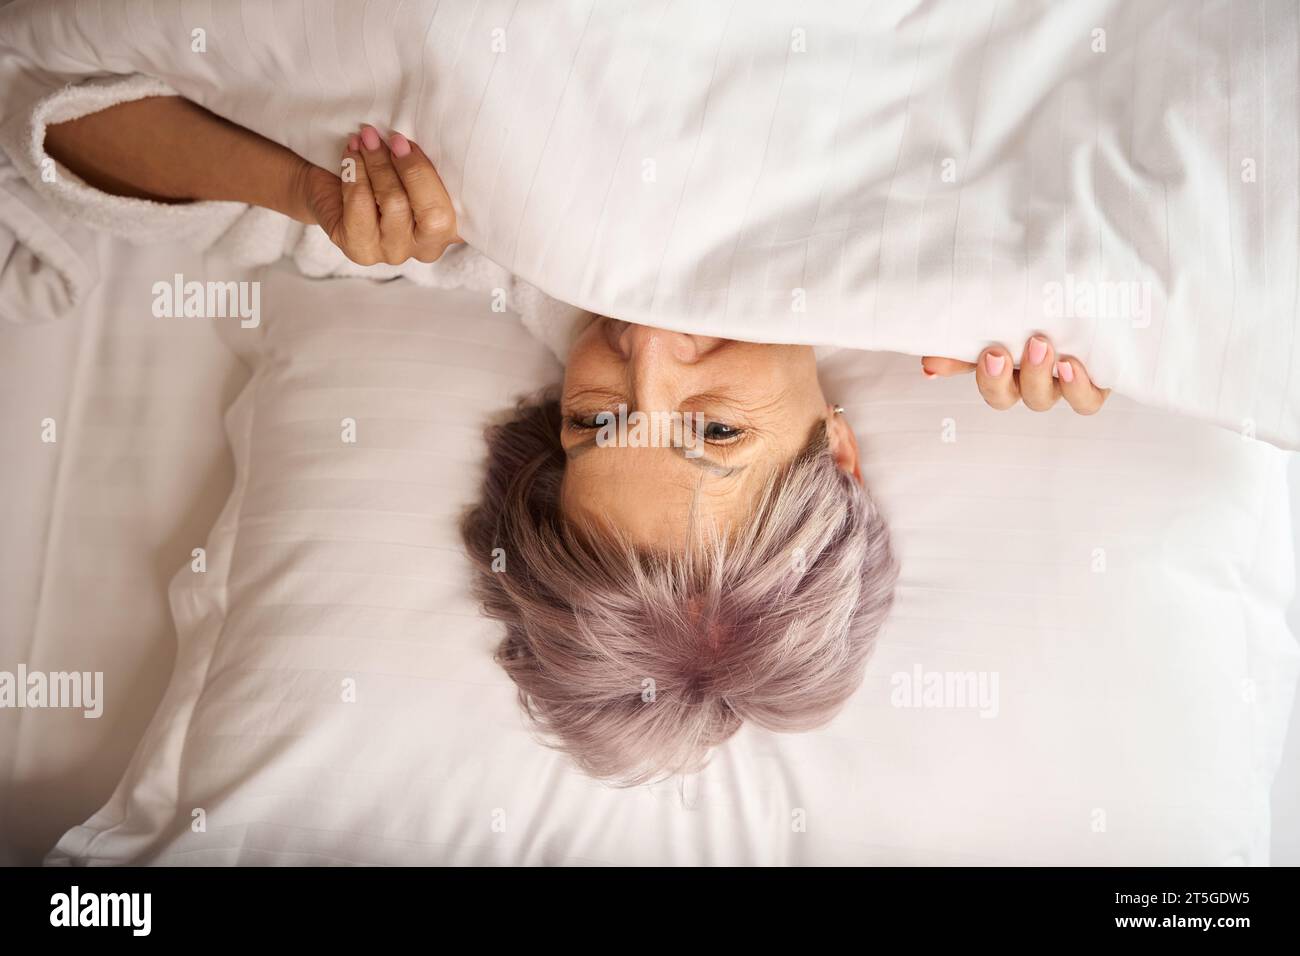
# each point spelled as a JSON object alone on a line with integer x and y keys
{"x": 839, "y": 409}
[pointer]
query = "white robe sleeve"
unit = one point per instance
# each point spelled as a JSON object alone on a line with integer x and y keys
{"x": 49, "y": 217}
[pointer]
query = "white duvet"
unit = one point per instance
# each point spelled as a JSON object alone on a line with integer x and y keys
{"x": 926, "y": 177}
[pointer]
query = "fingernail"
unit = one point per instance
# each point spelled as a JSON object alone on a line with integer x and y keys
{"x": 994, "y": 363}
{"x": 354, "y": 144}
{"x": 399, "y": 145}
{"x": 370, "y": 137}
{"x": 1065, "y": 371}
{"x": 1037, "y": 350}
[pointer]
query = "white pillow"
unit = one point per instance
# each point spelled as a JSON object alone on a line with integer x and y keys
{"x": 920, "y": 177}
{"x": 1124, "y": 576}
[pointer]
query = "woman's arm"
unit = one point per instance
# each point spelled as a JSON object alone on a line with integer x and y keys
{"x": 388, "y": 206}
{"x": 168, "y": 149}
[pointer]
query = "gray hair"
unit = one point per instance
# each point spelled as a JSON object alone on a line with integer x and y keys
{"x": 638, "y": 663}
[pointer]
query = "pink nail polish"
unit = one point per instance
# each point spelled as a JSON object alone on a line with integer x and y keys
{"x": 1037, "y": 350}
{"x": 354, "y": 144}
{"x": 994, "y": 363}
{"x": 369, "y": 137}
{"x": 1065, "y": 371}
{"x": 399, "y": 145}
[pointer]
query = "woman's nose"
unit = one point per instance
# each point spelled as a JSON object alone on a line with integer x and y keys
{"x": 643, "y": 341}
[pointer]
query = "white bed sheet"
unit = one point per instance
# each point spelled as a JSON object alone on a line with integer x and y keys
{"x": 285, "y": 774}
{"x": 97, "y": 522}
{"x": 1286, "y": 788}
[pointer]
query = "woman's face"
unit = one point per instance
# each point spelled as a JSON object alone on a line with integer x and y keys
{"x": 747, "y": 409}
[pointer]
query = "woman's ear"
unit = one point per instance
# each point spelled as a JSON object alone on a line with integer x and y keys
{"x": 844, "y": 444}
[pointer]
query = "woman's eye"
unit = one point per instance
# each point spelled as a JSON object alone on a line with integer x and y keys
{"x": 718, "y": 432}
{"x": 590, "y": 422}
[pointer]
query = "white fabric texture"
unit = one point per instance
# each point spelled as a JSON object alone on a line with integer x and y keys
{"x": 97, "y": 521}
{"x": 926, "y": 177}
{"x": 1125, "y": 576}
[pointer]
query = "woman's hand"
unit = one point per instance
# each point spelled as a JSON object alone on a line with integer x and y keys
{"x": 389, "y": 204}
{"x": 1042, "y": 378}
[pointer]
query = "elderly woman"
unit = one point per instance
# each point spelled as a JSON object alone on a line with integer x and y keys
{"x": 657, "y": 588}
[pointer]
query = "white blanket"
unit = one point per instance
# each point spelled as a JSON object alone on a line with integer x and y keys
{"x": 927, "y": 177}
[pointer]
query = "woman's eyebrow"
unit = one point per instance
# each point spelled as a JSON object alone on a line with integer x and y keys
{"x": 715, "y": 469}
